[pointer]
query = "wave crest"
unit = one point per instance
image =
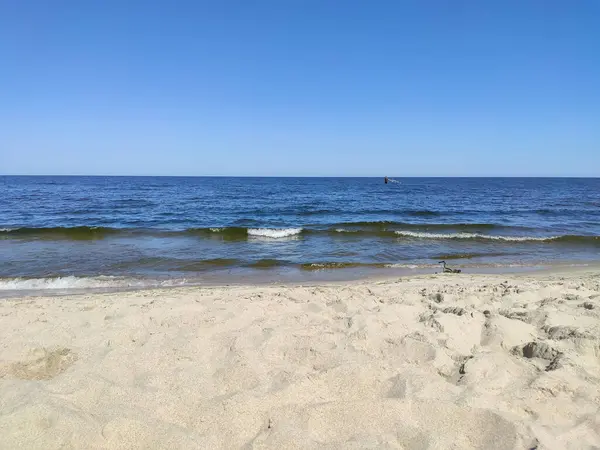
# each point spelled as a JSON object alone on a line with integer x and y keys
{"x": 566, "y": 238}
{"x": 75, "y": 233}
{"x": 73, "y": 282}
{"x": 274, "y": 233}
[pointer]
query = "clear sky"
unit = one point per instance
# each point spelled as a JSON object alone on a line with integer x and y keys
{"x": 300, "y": 87}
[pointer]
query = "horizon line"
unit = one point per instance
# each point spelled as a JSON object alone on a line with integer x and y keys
{"x": 303, "y": 176}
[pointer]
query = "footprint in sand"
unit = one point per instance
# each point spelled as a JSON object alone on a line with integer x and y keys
{"x": 46, "y": 364}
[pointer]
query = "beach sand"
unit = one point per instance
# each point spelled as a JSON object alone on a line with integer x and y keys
{"x": 425, "y": 362}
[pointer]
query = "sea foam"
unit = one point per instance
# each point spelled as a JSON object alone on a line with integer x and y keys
{"x": 73, "y": 282}
{"x": 274, "y": 233}
{"x": 422, "y": 235}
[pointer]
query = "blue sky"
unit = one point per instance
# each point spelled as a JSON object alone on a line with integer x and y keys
{"x": 300, "y": 87}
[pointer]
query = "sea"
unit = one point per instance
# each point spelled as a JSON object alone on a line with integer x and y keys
{"x": 69, "y": 233}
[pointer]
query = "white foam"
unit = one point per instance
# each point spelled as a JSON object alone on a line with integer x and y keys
{"x": 274, "y": 233}
{"x": 422, "y": 235}
{"x": 216, "y": 230}
{"x": 6, "y": 230}
{"x": 72, "y": 282}
{"x": 406, "y": 266}
{"x": 344, "y": 230}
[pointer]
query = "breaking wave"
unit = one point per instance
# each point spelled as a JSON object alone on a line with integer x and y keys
{"x": 331, "y": 265}
{"x": 73, "y": 282}
{"x": 317, "y": 266}
{"x": 274, "y": 233}
{"x": 237, "y": 233}
{"x": 455, "y": 231}
{"x": 564, "y": 238}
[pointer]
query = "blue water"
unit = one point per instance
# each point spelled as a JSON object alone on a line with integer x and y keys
{"x": 99, "y": 231}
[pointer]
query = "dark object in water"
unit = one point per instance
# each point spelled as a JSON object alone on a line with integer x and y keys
{"x": 448, "y": 269}
{"x": 385, "y": 180}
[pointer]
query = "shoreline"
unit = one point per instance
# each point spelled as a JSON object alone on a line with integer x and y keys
{"x": 320, "y": 277}
{"x": 450, "y": 361}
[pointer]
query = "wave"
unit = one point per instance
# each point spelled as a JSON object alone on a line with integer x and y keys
{"x": 236, "y": 233}
{"x": 376, "y": 228}
{"x": 439, "y": 231}
{"x": 386, "y": 225}
{"x": 274, "y": 233}
{"x": 91, "y": 232}
{"x": 330, "y": 265}
{"x": 389, "y": 229}
{"x": 458, "y": 236}
{"x": 451, "y": 256}
{"x": 316, "y": 266}
{"x": 344, "y": 232}
{"x": 424, "y": 235}
{"x": 225, "y": 233}
{"x": 409, "y": 266}
{"x": 75, "y": 233}
{"x": 73, "y": 282}
{"x": 197, "y": 266}
{"x": 267, "y": 264}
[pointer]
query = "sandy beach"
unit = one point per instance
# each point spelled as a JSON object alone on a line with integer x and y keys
{"x": 425, "y": 362}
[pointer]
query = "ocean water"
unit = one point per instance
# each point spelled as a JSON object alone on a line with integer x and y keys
{"x": 105, "y": 232}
